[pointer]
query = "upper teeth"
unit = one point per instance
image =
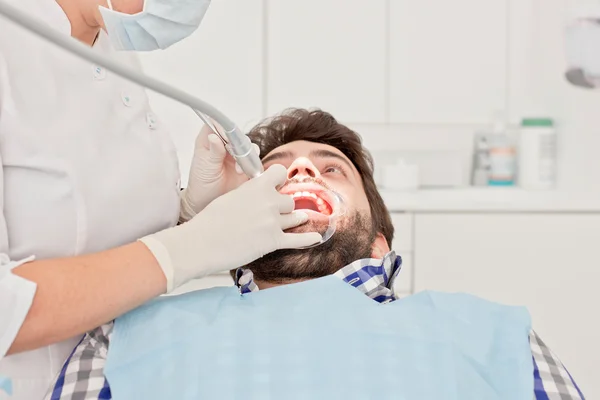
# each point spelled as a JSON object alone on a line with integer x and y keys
{"x": 305, "y": 194}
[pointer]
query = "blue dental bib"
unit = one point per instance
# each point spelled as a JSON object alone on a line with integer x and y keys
{"x": 320, "y": 339}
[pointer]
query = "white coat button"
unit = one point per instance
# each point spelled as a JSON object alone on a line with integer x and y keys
{"x": 151, "y": 120}
{"x": 99, "y": 73}
{"x": 126, "y": 99}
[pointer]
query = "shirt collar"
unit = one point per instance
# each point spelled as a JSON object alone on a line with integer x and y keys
{"x": 374, "y": 277}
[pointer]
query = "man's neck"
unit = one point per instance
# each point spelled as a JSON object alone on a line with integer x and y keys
{"x": 84, "y": 26}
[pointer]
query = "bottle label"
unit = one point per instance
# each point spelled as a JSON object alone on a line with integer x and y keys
{"x": 502, "y": 163}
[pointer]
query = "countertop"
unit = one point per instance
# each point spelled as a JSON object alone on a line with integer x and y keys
{"x": 491, "y": 200}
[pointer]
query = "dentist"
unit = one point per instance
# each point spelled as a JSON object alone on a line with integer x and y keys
{"x": 92, "y": 219}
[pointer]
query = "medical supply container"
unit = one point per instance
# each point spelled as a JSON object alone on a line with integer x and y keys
{"x": 502, "y": 156}
{"x": 537, "y": 154}
{"x": 480, "y": 171}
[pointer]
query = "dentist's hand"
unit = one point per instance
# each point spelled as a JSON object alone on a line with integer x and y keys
{"x": 213, "y": 173}
{"x": 234, "y": 230}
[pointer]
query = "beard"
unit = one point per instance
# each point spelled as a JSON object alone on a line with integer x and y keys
{"x": 351, "y": 241}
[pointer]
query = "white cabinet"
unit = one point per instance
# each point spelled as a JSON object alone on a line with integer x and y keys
{"x": 221, "y": 63}
{"x": 447, "y": 60}
{"x": 537, "y": 58}
{"x": 328, "y": 54}
{"x": 548, "y": 263}
{"x": 403, "y": 246}
{"x": 524, "y": 96}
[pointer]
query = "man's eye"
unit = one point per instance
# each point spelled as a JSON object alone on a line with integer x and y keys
{"x": 333, "y": 169}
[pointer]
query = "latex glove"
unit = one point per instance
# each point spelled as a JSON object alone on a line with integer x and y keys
{"x": 233, "y": 230}
{"x": 213, "y": 172}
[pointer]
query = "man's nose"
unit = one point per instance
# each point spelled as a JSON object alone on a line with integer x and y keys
{"x": 302, "y": 167}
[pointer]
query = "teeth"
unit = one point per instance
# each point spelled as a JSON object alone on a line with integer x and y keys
{"x": 320, "y": 202}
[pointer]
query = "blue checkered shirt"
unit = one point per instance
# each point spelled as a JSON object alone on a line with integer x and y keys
{"x": 82, "y": 376}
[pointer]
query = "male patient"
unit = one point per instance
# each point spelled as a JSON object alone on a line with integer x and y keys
{"x": 320, "y": 154}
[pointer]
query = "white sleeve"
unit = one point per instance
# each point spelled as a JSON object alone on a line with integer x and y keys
{"x": 16, "y": 293}
{"x": 16, "y": 296}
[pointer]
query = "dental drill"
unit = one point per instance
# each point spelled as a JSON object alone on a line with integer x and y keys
{"x": 238, "y": 144}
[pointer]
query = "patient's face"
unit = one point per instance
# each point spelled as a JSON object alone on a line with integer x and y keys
{"x": 312, "y": 169}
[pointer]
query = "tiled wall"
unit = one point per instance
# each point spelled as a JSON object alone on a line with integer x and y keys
{"x": 406, "y": 74}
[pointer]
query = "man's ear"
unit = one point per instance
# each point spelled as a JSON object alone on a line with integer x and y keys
{"x": 380, "y": 247}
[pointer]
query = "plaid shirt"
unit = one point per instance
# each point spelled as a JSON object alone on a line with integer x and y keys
{"x": 82, "y": 377}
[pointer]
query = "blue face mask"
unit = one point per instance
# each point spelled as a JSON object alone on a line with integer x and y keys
{"x": 159, "y": 25}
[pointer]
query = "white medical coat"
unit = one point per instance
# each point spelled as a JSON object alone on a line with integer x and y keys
{"x": 85, "y": 166}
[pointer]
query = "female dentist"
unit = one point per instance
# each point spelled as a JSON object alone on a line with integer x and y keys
{"x": 89, "y": 194}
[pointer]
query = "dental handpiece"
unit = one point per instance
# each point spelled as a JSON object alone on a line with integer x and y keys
{"x": 239, "y": 145}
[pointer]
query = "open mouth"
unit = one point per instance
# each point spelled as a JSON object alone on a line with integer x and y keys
{"x": 312, "y": 201}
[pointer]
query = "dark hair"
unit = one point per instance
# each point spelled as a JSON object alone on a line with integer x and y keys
{"x": 321, "y": 127}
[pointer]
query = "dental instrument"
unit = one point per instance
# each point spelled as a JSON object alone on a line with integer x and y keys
{"x": 212, "y": 127}
{"x": 238, "y": 144}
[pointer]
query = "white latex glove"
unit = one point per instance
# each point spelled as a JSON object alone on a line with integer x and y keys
{"x": 213, "y": 173}
{"x": 233, "y": 230}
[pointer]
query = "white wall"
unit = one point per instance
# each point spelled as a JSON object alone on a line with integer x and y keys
{"x": 407, "y": 74}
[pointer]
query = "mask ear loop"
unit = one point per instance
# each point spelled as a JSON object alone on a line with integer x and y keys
{"x": 110, "y": 7}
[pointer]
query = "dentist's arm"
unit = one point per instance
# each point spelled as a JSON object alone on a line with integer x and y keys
{"x": 77, "y": 294}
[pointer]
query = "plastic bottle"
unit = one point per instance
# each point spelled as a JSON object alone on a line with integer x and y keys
{"x": 537, "y": 154}
{"x": 480, "y": 173}
{"x": 502, "y": 156}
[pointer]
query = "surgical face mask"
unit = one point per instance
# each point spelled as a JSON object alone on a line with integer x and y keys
{"x": 159, "y": 25}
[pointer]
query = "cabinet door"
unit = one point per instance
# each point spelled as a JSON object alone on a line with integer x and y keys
{"x": 221, "y": 63}
{"x": 548, "y": 263}
{"x": 447, "y": 60}
{"x": 328, "y": 54}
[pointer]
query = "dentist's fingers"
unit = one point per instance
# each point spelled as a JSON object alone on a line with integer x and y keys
{"x": 274, "y": 176}
{"x": 202, "y": 138}
{"x": 293, "y": 219}
{"x": 286, "y": 203}
{"x": 296, "y": 240}
{"x": 217, "y": 150}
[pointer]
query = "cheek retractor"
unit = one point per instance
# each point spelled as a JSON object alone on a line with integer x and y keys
{"x": 337, "y": 207}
